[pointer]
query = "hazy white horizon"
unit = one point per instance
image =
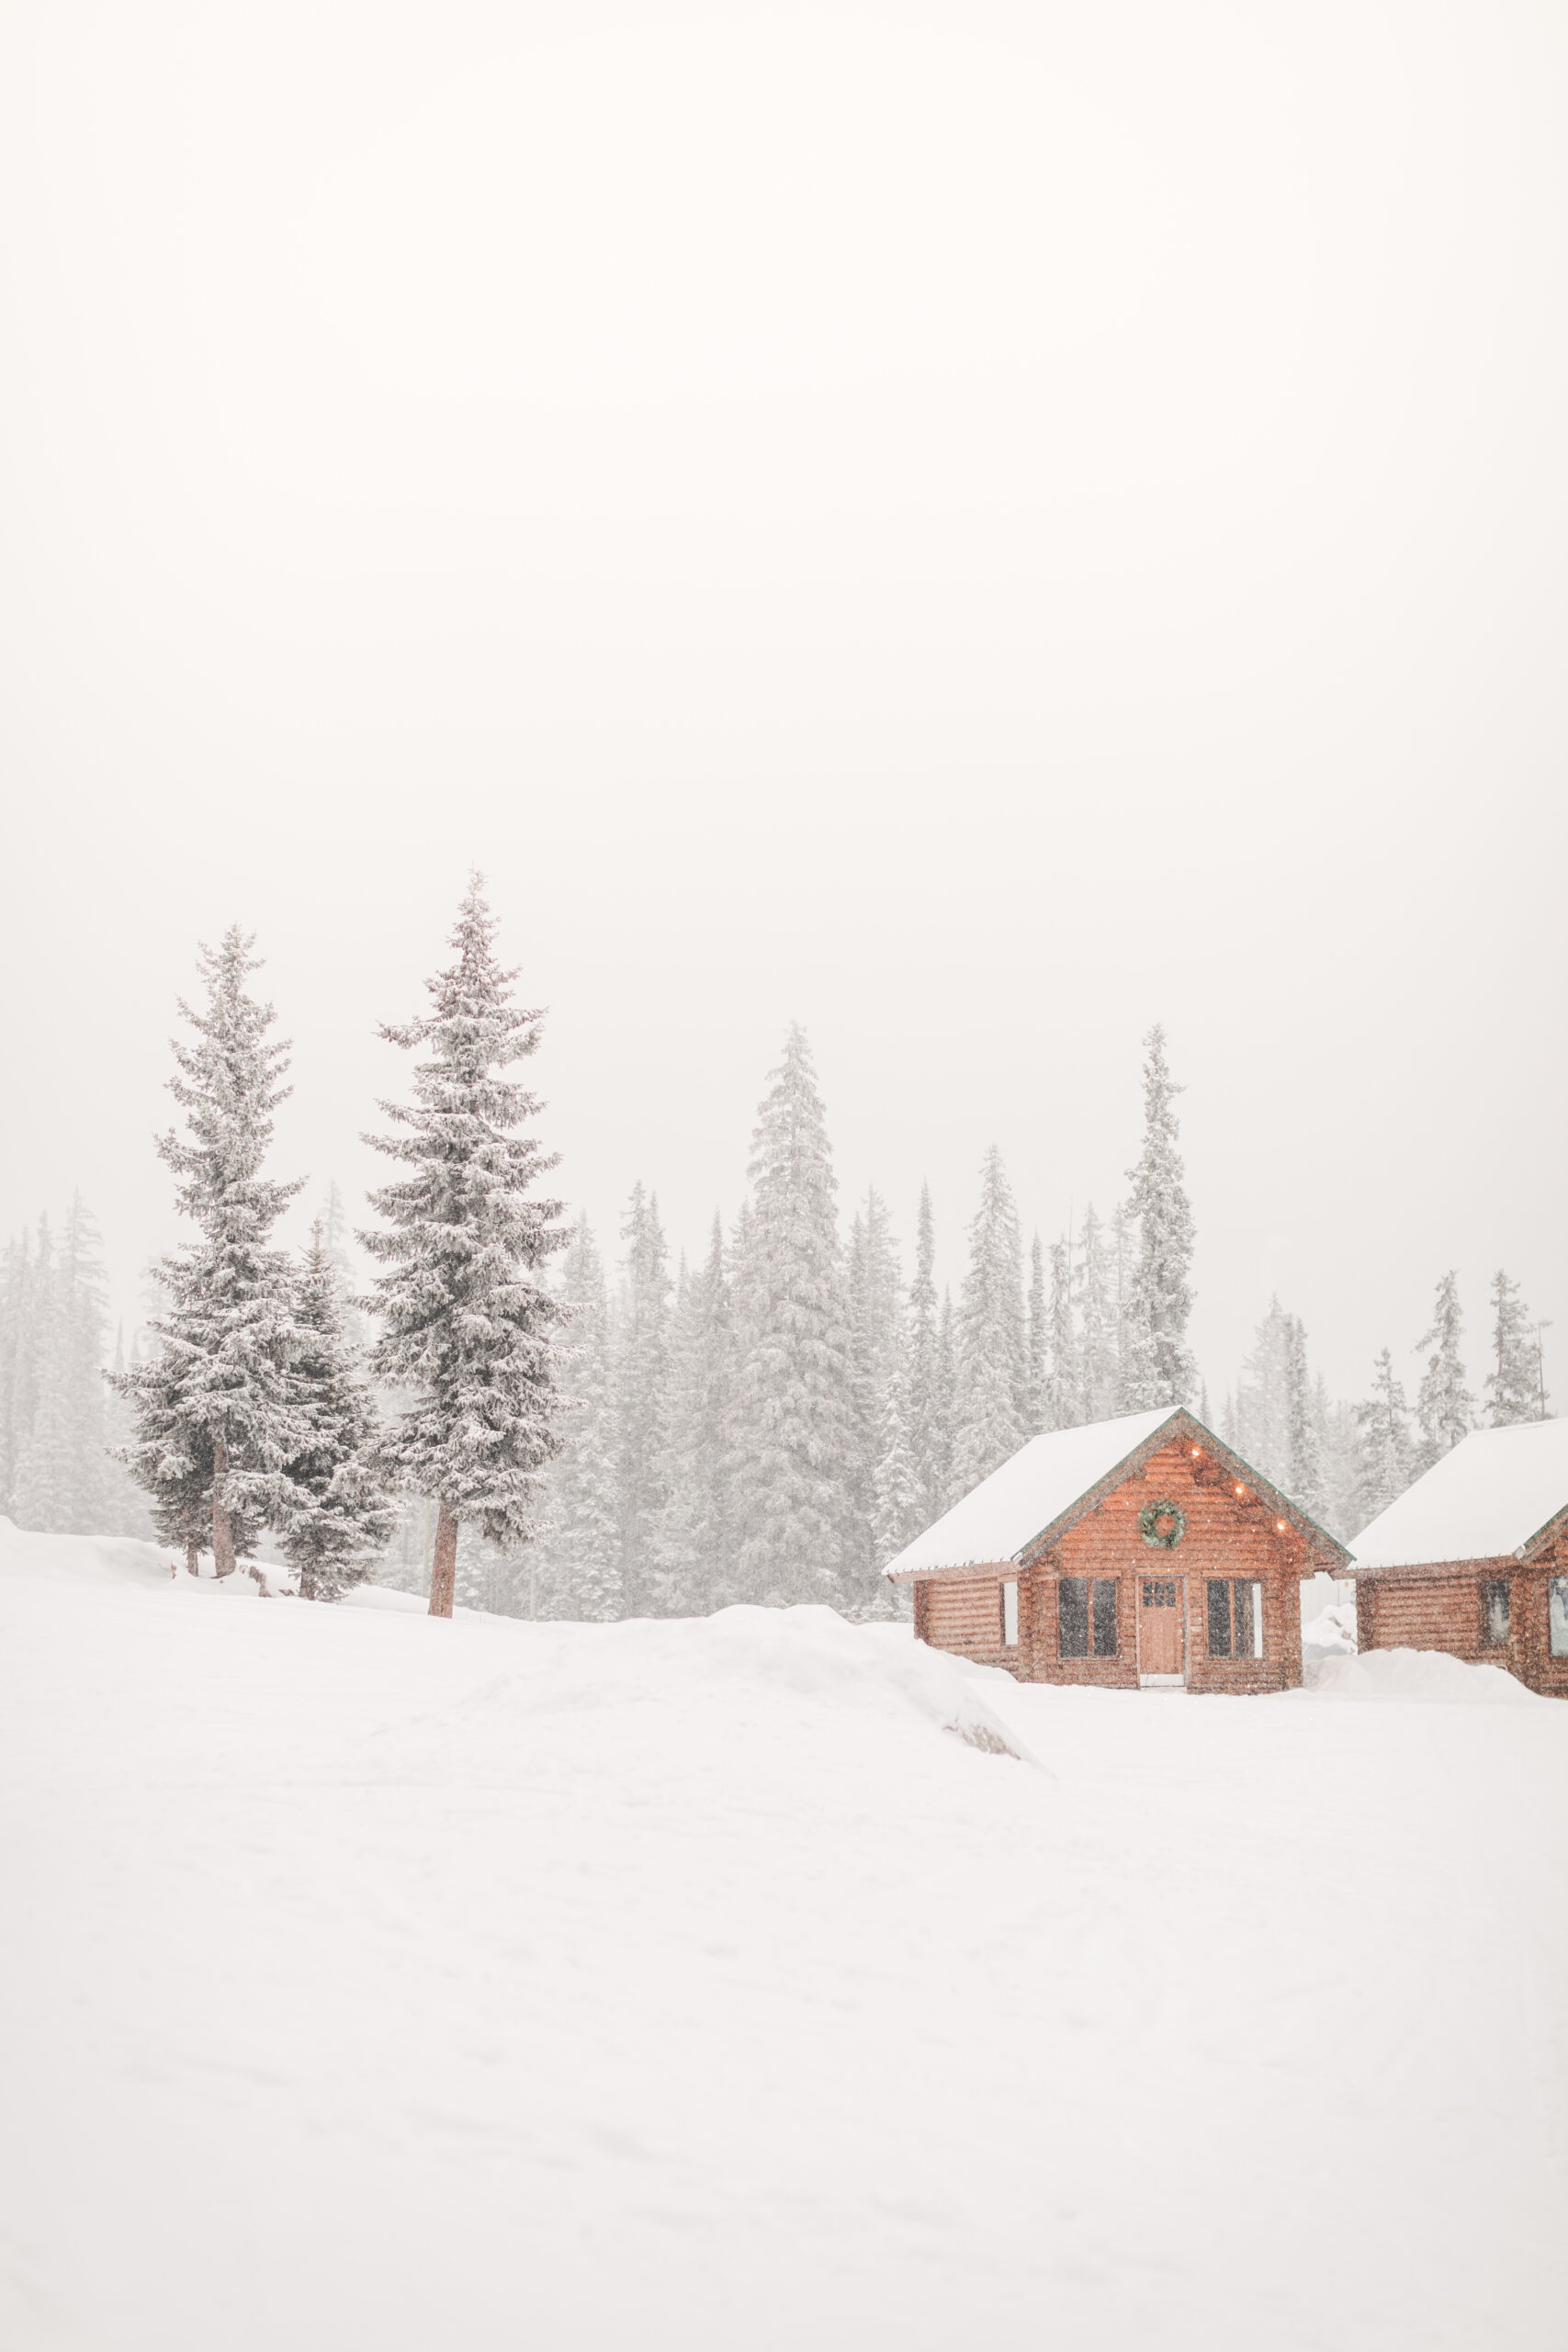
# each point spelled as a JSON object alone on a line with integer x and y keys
{"x": 977, "y": 529}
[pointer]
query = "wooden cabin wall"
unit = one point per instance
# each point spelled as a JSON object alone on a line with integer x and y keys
{"x": 1443, "y": 1609}
{"x": 1227, "y": 1535}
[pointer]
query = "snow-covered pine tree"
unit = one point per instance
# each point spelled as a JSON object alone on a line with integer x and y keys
{"x": 897, "y": 1518}
{"x": 692, "y": 1548}
{"x": 469, "y": 1324}
{"x": 1262, "y": 1409}
{"x": 992, "y": 1408}
{"x": 1063, "y": 1381}
{"x": 1159, "y": 1367}
{"x": 575, "y": 1566}
{"x": 876, "y": 1348}
{"x": 947, "y": 1393}
{"x": 1340, "y": 1450}
{"x": 926, "y": 1399}
{"x": 225, "y": 1343}
{"x": 791, "y": 1394}
{"x": 17, "y": 1368}
{"x": 1097, "y": 1365}
{"x": 40, "y": 1491}
{"x": 333, "y": 1518}
{"x": 1514, "y": 1388}
{"x": 1039, "y": 1341}
{"x": 1383, "y": 1421}
{"x": 641, "y": 1378}
{"x": 1445, "y": 1408}
{"x": 1303, "y": 1480}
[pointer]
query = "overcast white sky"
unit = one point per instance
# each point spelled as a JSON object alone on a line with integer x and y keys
{"x": 975, "y": 527}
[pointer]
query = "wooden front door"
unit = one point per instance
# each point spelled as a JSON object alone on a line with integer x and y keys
{"x": 1160, "y": 1620}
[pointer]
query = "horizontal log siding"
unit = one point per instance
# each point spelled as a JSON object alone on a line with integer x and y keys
{"x": 1440, "y": 1609}
{"x": 1227, "y": 1537}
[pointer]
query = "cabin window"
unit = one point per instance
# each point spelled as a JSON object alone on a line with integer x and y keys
{"x": 1086, "y": 1615}
{"x": 1557, "y": 1611}
{"x": 1494, "y": 1612}
{"x": 1010, "y": 1616}
{"x": 1235, "y": 1617}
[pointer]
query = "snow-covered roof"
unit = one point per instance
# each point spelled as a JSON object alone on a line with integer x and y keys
{"x": 1484, "y": 1501}
{"x": 1005, "y": 1511}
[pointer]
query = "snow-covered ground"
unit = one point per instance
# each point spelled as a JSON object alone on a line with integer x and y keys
{"x": 371, "y": 1982}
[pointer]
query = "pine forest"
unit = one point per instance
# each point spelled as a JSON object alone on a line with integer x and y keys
{"x": 517, "y": 1414}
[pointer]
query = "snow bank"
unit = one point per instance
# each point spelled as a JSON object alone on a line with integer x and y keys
{"x": 1330, "y": 1635}
{"x": 779, "y": 1674}
{"x": 1427, "y": 1676}
{"x": 686, "y": 1985}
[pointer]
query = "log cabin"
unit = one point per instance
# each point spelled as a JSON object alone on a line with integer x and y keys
{"x": 1136, "y": 1554}
{"x": 1474, "y": 1557}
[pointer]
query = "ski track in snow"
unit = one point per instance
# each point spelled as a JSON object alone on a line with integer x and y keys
{"x": 373, "y": 1981}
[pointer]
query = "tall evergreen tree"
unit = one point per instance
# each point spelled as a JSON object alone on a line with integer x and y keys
{"x": 792, "y": 1407}
{"x": 1063, "y": 1380}
{"x": 641, "y": 1377}
{"x": 897, "y": 1518}
{"x": 1159, "y": 1367}
{"x": 1303, "y": 1481}
{"x": 468, "y": 1325}
{"x": 876, "y": 1352}
{"x": 40, "y": 1491}
{"x": 694, "y": 1547}
{"x": 1445, "y": 1409}
{"x": 220, "y": 1391}
{"x": 334, "y": 1519}
{"x": 1262, "y": 1411}
{"x": 1039, "y": 1342}
{"x": 926, "y": 1401}
{"x": 1098, "y": 1370}
{"x": 1387, "y": 1464}
{"x": 1515, "y": 1389}
{"x": 991, "y": 1414}
{"x": 947, "y": 1393}
{"x": 576, "y": 1564}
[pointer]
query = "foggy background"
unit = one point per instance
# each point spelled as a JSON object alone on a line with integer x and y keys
{"x": 976, "y": 528}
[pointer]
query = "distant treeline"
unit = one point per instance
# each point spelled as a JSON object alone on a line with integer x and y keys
{"x": 570, "y": 1439}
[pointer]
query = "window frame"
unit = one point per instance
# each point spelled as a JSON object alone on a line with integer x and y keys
{"x": 1238, "y": 1600}
{"x": 1090, "y": 1612}
{"x": 1557, "y": 1617}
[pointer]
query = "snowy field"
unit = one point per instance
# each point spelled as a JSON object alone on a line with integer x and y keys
{"x": 376, "y": 1983}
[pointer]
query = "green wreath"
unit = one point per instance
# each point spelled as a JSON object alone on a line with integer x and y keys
{"x": 1149, "y": 1525}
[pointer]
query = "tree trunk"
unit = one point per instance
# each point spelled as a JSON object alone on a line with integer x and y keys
{"x": 193, "y": 1557}
{"x": 444, "y": 1568}
{"x": 222, "y": 1525}
{"x": 307, "y": 1584}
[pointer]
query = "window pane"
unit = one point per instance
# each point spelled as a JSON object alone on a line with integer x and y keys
{"x": 1072, "y": 1606}
{"x": 1258, "y": 1620}
{"x": 1105, "y": 1616}
{"x": 1494, "y": 1613}
{"x": 1009, "y": 1615}
{"x": 1559, "y": 1607}
{"x": 1219, "y": 1618}
{"x": 1241, "y": 1600}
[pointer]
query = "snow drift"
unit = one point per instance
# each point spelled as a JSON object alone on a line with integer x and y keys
{"x": 374, "y": 1979}
{"x": 1427, "y": 1677}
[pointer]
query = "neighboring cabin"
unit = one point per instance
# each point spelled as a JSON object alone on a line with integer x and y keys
{"x": 1474, "y": 1557}
{"x": 1137, "y": 1553}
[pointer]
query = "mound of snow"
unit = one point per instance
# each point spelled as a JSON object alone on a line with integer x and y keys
{"x": 1330, "y": 1635}
{"x": 1427, "y": 1676}
{"x": 737, "y": 1670}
